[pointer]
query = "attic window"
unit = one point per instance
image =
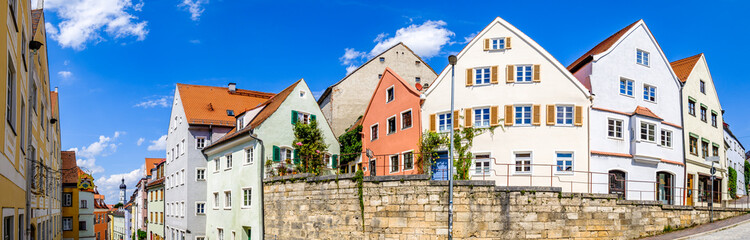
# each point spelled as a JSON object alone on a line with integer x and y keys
{"x": 417, "y": 62}
{"x": 382, "y": 59}
{"x": 417, "y": 79}
{"x": 301, "y": 94}
{"x": 380, "y": 76}
{"x": 230, "y": 112}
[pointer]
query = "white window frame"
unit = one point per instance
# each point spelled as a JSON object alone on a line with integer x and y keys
{"x": 286, "y": 152}
{"x": 478, "y": 123}
{"x": 516, "y": 118}
{"x": 220, "y": 234}
{"x": 390, "y": 94}
{"x": 572, "y": 162}
{"x": 615, "y": 121}
{"x": 200, "y": 142}
{"x": 488, "y": 161}
{"x": 182, "y": 151}
{"x": 530, "y": 162}
{"x": 217, "y": 200}
{"x": 230, "y": 162}
{"x": 249, "y": 155}
{"x": 627, "y": 83}
{"x": 495, "y": 43}
{"x": 448, "y": 118}
{"x": 702, "y": 86}
{"x": 482, "y": 76}
{"x": 403, "y": 160}
{"x": 642, "y": 57}
{"x": 647, "y": 90}
{"x": 304, "y": 117}
{"x": 245, "y": 198}
{"x": 197, "y": 204}
{"x": 198, "y": 174}
{"x": 388, "y": 125}
{"x": 375, "y": 136}
{"x": 217, "y": 164}
{"x": 70, "y": 224}
{"x": 523, "y": 71}
{"x": 390, "y": 163}
{"x": 652, "y": 133}
{"x": 228, "y": 199}
{"x": 182, "y": 177}
{"x": 411, "y": 117}
{"x": 568, "y": 109}
{"x": 665, "y": 136}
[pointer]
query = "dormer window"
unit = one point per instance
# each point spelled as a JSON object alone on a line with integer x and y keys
{"x": 642, "y": 57}
{"x": 389, "y": 94}
{"x": 230, "y": 112}
{"x": 240, "y": 123}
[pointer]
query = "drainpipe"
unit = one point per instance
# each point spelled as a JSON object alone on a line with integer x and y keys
{"x": 262, "y": 164}
{"x": 29, "y": 161}
{"x": 588, "y": 133}
{"x": 684, "y": 156}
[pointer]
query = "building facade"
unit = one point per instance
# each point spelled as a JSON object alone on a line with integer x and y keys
{"x": 636, "y": 130}
{"x": 100, "y": 217}
{"x": 155, "y": 193}
{"x": 345, "y": 101}
{"x": 532, "y": 112}
{"x": 735, "y": 159}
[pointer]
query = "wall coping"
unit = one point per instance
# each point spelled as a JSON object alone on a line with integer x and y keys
{"x": 391, "y": 178}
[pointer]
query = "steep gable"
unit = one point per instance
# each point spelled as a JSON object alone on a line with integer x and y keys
{"x": 382, "y": 85}
{"x": 599, "y": 48}
{"x": 683, "y": 67}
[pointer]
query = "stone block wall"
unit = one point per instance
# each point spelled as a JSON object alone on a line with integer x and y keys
{"x": 413, "y": 207}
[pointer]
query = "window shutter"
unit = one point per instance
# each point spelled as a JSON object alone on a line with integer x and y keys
{"x": 536, "y": 119}
{"x": 509, "y": 74}
{"x": 508, "y": 115}
{"x": 536, "y": 78}
{"x": 578, "y": 112}
{"x": 493, "y": 116}
{"x": 486, "y": 44}
{"x": 335, "y": 161}
{"x": 467, "y": 117}
{"x": 313, "y": 118}
{"x": 493, "y": 79}
{"x": 507, "y": 43}
{"x": 455, "y": 119}
{"x": 432, "y": 122}
{"x": 276, "y": 153}
{"x": 550, "y": 115}
{"x": 294, "y": 117}
{"x": 469, "y": 75}
{"x": 295, "y": 156}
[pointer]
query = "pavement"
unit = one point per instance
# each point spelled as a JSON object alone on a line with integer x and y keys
{"x": 727, "y": 229}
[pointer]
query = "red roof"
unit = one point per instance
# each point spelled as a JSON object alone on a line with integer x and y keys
{"x": 683, "y": 67}
{"x": 644, "y": 111}
{"x": 599, "y": 48}
{"x": 151, "y": 163}
{"x": 205, "y": 105}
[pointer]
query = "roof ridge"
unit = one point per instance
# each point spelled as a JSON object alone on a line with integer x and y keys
{"x": 600, "y": 47}
{"x": 683, "y": 67}
{"x": 238, "y": 89}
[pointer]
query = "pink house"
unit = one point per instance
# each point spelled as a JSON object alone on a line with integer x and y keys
{"x": 391, "y": 128}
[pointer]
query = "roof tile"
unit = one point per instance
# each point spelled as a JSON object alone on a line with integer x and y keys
{"x": 599, "y": 48}
{"x": 206, "y": 105}
{"x": 683, "y": 67}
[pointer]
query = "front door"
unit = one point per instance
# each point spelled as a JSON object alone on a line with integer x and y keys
{"x": 689, "y": 190}
{"x": 664, "y": 187}
{"x": 440, "y": 167}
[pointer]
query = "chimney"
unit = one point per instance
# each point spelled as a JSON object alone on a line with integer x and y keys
{"x": 55, "y": 89}
{"x": 232, "y": 87}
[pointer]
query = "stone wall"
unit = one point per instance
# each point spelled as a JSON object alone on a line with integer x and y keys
{"x": 413, "y": 207}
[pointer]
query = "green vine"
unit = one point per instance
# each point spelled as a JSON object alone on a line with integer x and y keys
{"x": 732, "y": 183}
{"x": 359, "y": 178}
{"x": 463, "y": 141}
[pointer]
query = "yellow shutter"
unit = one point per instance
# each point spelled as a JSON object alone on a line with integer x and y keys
{"x": 432, "y": 122}
{"x": 578, "y": 116}
{"x": 507, "y": 43}
{"x": 550, "y": 114}
{"x": 508, "y": 115}
{"x": 467, "y": 117}
{"x": 469, "y": 75}
{"x": 509, "y": 74}
{"x": 536, "y": 114}
{"x": 486, "y": 44}
{"x": 455, "y": 119}
{"x": 535, "y": 77}
{"x": 493, "y": 78}
{"x": 493, "y": 116}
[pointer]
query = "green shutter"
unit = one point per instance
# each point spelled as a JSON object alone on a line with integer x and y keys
{"x": 294, "y": 117}
{"x": 335, "y": 161}
{"x": 276, "y": 153}
{"x": 295, "y": 156}
{"x": 312, "y": 117}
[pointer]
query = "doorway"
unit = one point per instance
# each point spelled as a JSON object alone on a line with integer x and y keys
{"x": 440, "y": 167}
{"x": 617, "y": 183}
{"x": 664, "y": 187}
{"x": 689, "y": 190}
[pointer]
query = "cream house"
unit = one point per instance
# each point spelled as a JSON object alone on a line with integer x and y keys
{"x": 503, "y": 77}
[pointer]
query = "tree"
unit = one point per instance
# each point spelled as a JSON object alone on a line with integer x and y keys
{"x": 309, "y": 146}
{"x": 351, "y": 145}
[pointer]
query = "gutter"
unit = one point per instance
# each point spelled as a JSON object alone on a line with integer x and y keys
{"x": 262, "y": 205}
{"x": 684, "y": 155}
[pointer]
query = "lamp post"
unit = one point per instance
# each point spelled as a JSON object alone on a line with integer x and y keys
{"x": 452, "y": 59}
{"x": 712, "y": 159}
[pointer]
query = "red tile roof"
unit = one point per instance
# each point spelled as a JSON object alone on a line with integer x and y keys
{"x": 155, "y": 182}
{"x": 151, "y": 163}
{"x": 599, "y": 48}
{"x": 644, "y": 111}
{"x": 205, "y": 105}
{"x": 683, "y": 67}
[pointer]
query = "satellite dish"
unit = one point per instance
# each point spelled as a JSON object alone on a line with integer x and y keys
{"x": 369, "y": 153}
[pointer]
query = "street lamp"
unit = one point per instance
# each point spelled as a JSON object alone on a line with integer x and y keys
{"x": 712, "y": 159}
{"x": 452, "y": 59}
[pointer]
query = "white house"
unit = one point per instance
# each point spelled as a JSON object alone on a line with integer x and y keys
{"x": 636, "y": 126}
{"x": 503, "y": 77}
{"x": 735, "y": 153}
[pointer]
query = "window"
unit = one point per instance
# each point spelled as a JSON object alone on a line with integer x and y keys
{"x": 523, "y": 73}
{"x": 482, "y": 164}
{"x": 498, "y": 43}
{"x": 647, "y": 131}
{"x": 229, "y": 161}
{"x": 10, "y": 108}
{"x": 380, "y": 76}
{"x": 67, "y": 199}
{"x": 394, "y": 163}
{"x": 200, "y": 238}
{"x": 704, "y": 149}
{"x": 84, "y": 204}
{"x": 564, "y": 115}
{"x": 8, "y": 227}
{"x": 390, "y": 94}
{"x": 67, "y": 224}
{"x": 374, "y": 132}
{"x": 482, "y": 117}
{"x": 523, "y": 115}
{"x": 216, "y": 200}
{"x": 286, "y": 153}
{"x": 649, "y": 93}
{"x": 82, "y": 225}
{"x": 217, "y": 164}
{"x": 614, "y": 128}
{"x": 182, "y": 149}
{"x": 200, "y": 174}
{"x": 382, "y": 59}
{"x": 642, "y": 57}
{"x": 221, "y": 234}
{"x": 247, "y": 194}
{"x": 523, "y": 162}
{"x": 200, "y": 142}
{"x": 200, "y": 208}
{"x": 301, "y": 94}
{"x": 715, "y": 150}
{"x": 179, "y": 149}
{"x": 406, "y": 119}
{"x": 417, "y": 79}
{"x": 482, "y": 76}
{"x": 227, "y": 199}
{"x": 565, "y": 162}
{"x": 691, "y": 107}
{"x": 445, "y": 122}
{"x": 713, "y": 119}
{"x": 626, "y": 87}
{"x": 250, "y": 155}
{"x": 408, "y": 161}
{"x": 392, "y": 125}
{"x": 666, "y": 138}
{"x": 703, "y": 87}
{"x": 703, "y": 114}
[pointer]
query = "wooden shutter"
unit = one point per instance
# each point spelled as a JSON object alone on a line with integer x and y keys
{"x": 455, "y": 119}
{"x": 536, "y": 114}
{"x": 493, "y": 78}
{"x": 335, "y": 161}
{"x": 294, "y": 117}
{"x": 507, "y": 43}
{"x": 508, "y": 115}
{"x": 276, "y": 153}
{"x": 493, "y": 116}
{"x": 486, "y": 44}
{"x": 509, "y": 74}
{"x": 432, "y": 122}
{"x": 469, "y": 75}
{"x": 535, "y": 77}
{"x": 295, "y": 156}
{"x": 312, "y": 118}
{"x": 550, "y": 115}
{"x": 467, "y": 117}
{"x": 578, "y": 112}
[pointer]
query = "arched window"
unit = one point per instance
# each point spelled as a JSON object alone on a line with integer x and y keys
{"x": 617, "y": 183}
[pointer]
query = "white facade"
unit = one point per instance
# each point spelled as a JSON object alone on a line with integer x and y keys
{"x": 735, "y": 153}
{"x": 535, "y": 146}
{"x": 639, "y": 157}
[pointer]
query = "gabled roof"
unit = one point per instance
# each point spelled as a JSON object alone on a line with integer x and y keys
{"x": 644, "y": 111}
{"x": 387, "y": 73}
{"x": 206, "y": 105}
{"x": 683, "y": 67}
{"x": 36, "y": 15}
{"x": 599, "y": 48}
{"x": 151, "y": 163}
{"x": 328, "y": 90}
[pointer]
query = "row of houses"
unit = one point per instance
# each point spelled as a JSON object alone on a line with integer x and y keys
{"x": 621, "y": 119}
{"x": 85, "y": 215}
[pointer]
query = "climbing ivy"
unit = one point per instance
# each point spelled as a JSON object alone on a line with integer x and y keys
{"x": 359, "y": 178}
{"x": 747, "y": 174}
{"x": 463, "y": 140}
{"x": 351, "y": 145}
{"x": 309, "y": 142}
{"x": 732, "y": 183}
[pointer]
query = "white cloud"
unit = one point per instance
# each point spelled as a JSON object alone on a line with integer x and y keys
{"x": 140, "y": 141}
{"x": 65, "y": 74}
{"x": 110, "y": 185}
{"x": 350, "y": 69}
{"x": 82, "y": 21}
{"x": 194, "y": 7}
{"x": 102, "y": 147}
{"x": 163, "y": 101}
{"x": 195, "y": 41}
{"x": 425, "y": 40}
{"x": 350, "y": 55}
{"x": 158, "y": 144}
{"x": 468, "y": 39}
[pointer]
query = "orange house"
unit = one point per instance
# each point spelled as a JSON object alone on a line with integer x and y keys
{"x": 391, "y": 128}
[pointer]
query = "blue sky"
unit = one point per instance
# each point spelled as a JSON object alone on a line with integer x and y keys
{"x": 116, "y": 61}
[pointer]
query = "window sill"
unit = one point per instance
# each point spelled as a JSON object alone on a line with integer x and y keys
{"x": 404, "y": 128}
{"x": 522, "y": 174}
{"x": 246, "y": 207}
{"x": 625, "y": 95}
{"x": 565, "y": 173}
{"x": 247, "y": 164}
{"x": 645, "y": 65}
{"x": 227, "y": 208}
{"x": 227, "y": 169}
{"x": 616, "y": 138}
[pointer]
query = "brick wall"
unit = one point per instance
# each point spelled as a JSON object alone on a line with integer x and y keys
{"x": 412, "y": 207}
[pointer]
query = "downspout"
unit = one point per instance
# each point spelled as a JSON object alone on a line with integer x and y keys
{"x": 29, "y": 161}
{"x": 684, "y": 156}
{"x": 588, "y": 148}
{"x": 262, "y": 205}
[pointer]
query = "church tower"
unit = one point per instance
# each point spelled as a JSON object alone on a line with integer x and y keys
{"x": 122, "y": 191}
